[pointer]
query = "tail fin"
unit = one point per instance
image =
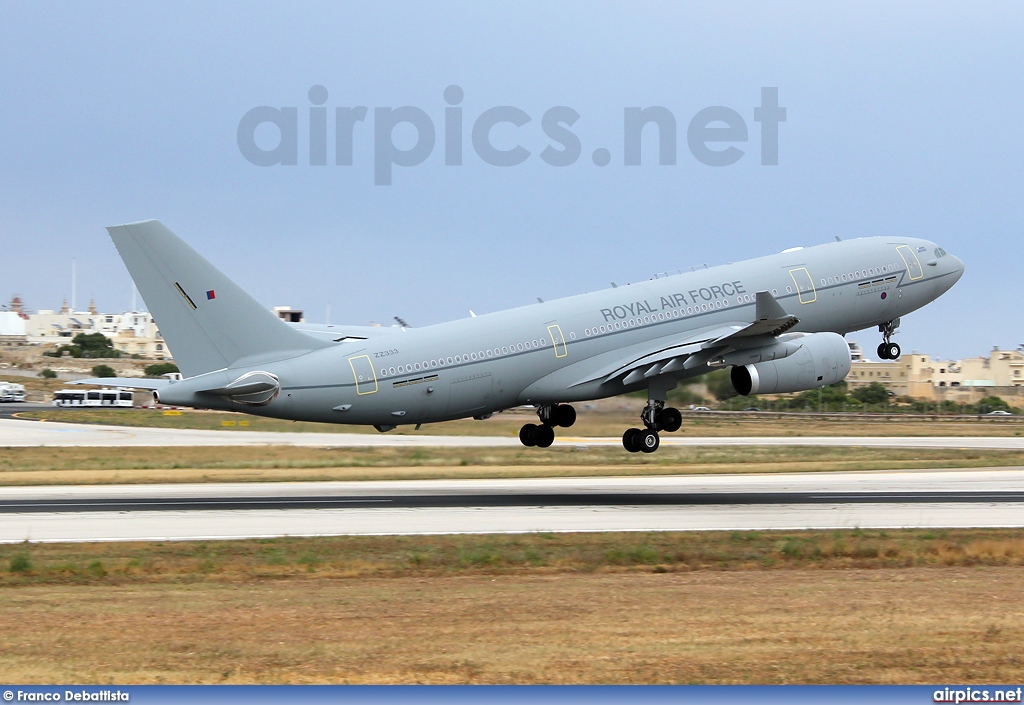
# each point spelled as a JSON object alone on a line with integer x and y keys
{"x": 207, "y": 320}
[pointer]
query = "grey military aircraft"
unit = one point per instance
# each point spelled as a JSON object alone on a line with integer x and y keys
{"x": 777, "y": 321}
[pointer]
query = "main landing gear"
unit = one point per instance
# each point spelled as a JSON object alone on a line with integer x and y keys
{"x": 655, "y": 417}
{"x": 887, "y": 350}
{"x": 542, "y": 435}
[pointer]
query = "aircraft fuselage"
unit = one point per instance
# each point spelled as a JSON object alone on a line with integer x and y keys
{"x": 558, "y": 351}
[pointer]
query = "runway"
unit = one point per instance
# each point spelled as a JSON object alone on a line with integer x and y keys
{"x": 19, "y": 433}
{"x": 936, "y": 498}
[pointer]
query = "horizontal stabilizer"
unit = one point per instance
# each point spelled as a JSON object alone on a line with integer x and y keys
{"x": 344, "y": 333}
{"x": 253, "y": 388}
{"x": 243, "y": 389}
{"x": 125, "y": 382}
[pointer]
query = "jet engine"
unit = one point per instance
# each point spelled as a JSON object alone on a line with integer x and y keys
{"x": 823, "y": 359}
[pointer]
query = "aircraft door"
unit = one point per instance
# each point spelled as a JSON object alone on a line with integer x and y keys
{"x": 804, "y": 285}
{"x": 914, "y": 269}
{"x": 557, "y": 340}
{"x": 365, "y": 377}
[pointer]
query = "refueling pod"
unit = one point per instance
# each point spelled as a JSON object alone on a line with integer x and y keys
{"x": 823, "y": 359}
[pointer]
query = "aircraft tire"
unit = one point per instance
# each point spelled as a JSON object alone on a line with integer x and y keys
{"x": 648, "y": 440}
{"x": 528, "y": 435}
{"x": 629, "y": 440}
{"x": 565, "y": 415}
{"x": 883, "y": 351}
{"x": 670, "y": 419}
{"x": 544, "y": 436}
{"x": 893, "y": 351}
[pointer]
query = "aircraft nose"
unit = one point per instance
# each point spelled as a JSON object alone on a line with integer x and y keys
{"x": 958, "y": 267}
{"x": 956, "y": 270}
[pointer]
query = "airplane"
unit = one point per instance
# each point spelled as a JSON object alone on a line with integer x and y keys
{"x": 778, "y": 322}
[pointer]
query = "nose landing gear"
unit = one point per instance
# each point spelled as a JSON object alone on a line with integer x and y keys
{"x": 542, "y": 435}
{"x": 888, "y": 350}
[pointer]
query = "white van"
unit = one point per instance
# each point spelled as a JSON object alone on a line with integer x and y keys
{"x": 10, "y": 391}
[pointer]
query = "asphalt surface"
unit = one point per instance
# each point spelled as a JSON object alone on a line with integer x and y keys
{"x": 21, "y": 433}
{"x": 9, "y": 409}
{"x": 992, "y": 497}
{"x": 986, "y": 497}
{"x": 114, "y": 504}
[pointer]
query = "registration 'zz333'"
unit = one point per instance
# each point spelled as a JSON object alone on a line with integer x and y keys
{"x": 385, "y": 353}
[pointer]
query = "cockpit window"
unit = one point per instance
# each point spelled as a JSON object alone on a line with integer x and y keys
{"x": 939, "y": 252}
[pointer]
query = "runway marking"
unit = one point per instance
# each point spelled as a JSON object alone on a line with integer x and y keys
{"x": 680, "y": 500}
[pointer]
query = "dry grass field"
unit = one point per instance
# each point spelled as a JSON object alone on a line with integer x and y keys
{"x": 695, "y": 607}
{"x": 796, "y": 607}
{"x": 62, "y": 466}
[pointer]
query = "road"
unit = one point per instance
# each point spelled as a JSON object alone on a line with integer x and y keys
{"x": 955, "y": 498}
{"x": 20, "y": 433}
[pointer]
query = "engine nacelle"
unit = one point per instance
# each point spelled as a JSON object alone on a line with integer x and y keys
{"x": 823, "y": 359}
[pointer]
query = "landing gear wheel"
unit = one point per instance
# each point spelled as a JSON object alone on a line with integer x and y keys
{"x": 889, "y": 350}
{"x": 544, "y": 436}
{"x": 563, "y": 415}
{"x": 528, "y": 435}
{"x": 648, "y": 440}
{"x": 629, "y": 440}
{"x": 670, "y": 420}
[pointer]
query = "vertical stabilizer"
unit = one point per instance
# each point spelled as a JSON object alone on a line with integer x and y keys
{"x": 207, "y": 320}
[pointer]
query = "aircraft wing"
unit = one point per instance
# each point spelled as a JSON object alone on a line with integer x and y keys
{"x": 734, "y": 343}
{"x": 771, "y": 320}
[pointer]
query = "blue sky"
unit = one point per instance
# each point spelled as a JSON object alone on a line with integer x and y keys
{"x": 901, "y": 119}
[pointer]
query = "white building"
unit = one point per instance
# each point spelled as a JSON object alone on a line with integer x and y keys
{"x": 132, "y": 332}
{"x": 13, "y": 319}
{"x": 11, "y": 323}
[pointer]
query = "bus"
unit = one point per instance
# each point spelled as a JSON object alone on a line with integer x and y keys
{"x": 11, "y": 392}
{"x": 94, "y": 397}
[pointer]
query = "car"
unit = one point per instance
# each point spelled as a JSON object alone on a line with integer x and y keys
{"x": 999, "y": 412}
{"x": 752, "y": 408}
{"x": 700, "y": 408}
